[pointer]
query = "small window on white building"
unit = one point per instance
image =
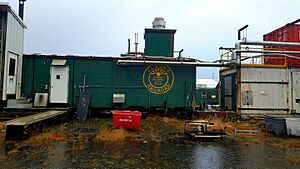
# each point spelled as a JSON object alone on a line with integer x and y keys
{"x": 12, "y": 65}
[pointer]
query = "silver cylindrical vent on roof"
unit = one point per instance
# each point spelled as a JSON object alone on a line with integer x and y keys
{"x": 159, "y": 23}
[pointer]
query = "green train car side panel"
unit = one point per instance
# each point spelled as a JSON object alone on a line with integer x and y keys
{"x": 36, "y": 76}
{"x": 104, "y": 77}
{"x": 27, "y": 77}
{"x": 158, "y": 44}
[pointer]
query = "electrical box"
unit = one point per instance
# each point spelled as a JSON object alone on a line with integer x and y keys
{"x": 118, "y": 98}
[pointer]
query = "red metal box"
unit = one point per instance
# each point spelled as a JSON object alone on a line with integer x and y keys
{"x": 288, "y": 33}
{"x": 126, "y": 119}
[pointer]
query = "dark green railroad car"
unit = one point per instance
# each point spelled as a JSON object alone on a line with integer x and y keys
{"x": 206, "y": 96}
{"x": 111, "y": 85}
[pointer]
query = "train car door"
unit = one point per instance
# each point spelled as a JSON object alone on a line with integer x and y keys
{"x": 59, "y": 83}
{"x": 12, "y": 74}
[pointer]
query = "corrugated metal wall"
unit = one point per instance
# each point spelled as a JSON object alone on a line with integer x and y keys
{"x": 257, "y": 90}
{"x": 36, "y": 75}
{"x": 295, "y": 90}
{"x": 103, "y": 78}
{"x": 228, "y": 89}
{"x": 264, "y": 90}
{"x": 159, "y": 44}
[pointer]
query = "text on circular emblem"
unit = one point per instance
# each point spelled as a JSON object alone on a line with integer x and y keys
{"x": 158, "y": 79}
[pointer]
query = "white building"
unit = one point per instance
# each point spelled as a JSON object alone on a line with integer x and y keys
{"x": 11, "y": 52}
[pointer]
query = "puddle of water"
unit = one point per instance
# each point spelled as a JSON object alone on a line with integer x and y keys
{"x": 132, "y": 154}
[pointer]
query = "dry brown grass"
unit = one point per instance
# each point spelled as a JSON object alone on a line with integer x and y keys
{"x": 2, "y": 126}
{"x": 294, "y": 160}
{"x": 167, "y": 120}
{"x": 285, "y": 143}
{"x": 2, "y": 132}
{"x": 111, "y": 135}
{"x": 261, "y": 136}
{"x": 174, "y": 122}
{"x": 53, "y": 135}
{"x": 153, "y": 119}
{"x": 293, "y": 142}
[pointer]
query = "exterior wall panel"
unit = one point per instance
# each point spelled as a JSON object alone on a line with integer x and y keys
{"x": 228, "y": 89}
{"x": 159, "y": 42}
{"x": 269, "y": 88}
{"x": 14, "y": 44}
{"x": 104, "y": 77}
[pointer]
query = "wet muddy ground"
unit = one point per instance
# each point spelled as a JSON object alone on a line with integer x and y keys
{"x": 160, "y": 143}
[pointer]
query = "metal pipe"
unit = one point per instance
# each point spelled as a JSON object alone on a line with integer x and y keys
{"x": 128, "y": 50}
{"x": 273, "y": 54}
{"x": 111, "y": 87}
{"x": 84, "y": 84}
{"x": 268, "y": 43}
{"x": 224, "y": 48}
{"x": 237, "y": 55}
{"x": 198, "y": 64}
{"x": 268, "y": 51}
{"x": 238, "y": 51}
{"x": 21, "y": 9}
{"x": 240, "y": 30}
{"x": 136, "y": 43}
{"x": 180, "y": 52}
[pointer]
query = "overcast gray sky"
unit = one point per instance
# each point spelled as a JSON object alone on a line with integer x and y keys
{"x": 102, "y": 27}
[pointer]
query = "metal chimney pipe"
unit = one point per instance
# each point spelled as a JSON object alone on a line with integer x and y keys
{"x": 21, "y": 9}
{"x": 240, "y": 30}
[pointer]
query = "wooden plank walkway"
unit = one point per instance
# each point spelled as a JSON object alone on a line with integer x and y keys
{"x": 17, "y": 127}
{"x": 24, "y": 121}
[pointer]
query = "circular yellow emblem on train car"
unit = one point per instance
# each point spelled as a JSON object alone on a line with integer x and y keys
{"x": 158, "y": 79}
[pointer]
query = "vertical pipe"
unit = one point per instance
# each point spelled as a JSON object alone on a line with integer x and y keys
{"x": 240, "y": 30}
{"x": 136, "y": 44}
{"x": 236, "y": 54}
{"x": 84, "y": 78}
{"x": 292, "y": 94}
{"x": 128, "y": 50}
{"x": 238, "y": 93}
{"x": 21, "y": 9}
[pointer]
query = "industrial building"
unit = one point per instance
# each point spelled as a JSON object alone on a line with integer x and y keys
{"x": 260, "y": 90}
{"x": 268, "y": 81}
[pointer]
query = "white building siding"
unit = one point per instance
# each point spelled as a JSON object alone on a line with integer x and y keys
{"x": 264, "y": 91}
{"x": 14, "y": 44}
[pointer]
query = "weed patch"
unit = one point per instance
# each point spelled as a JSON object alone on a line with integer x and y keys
{"x": 111, "y": 135}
